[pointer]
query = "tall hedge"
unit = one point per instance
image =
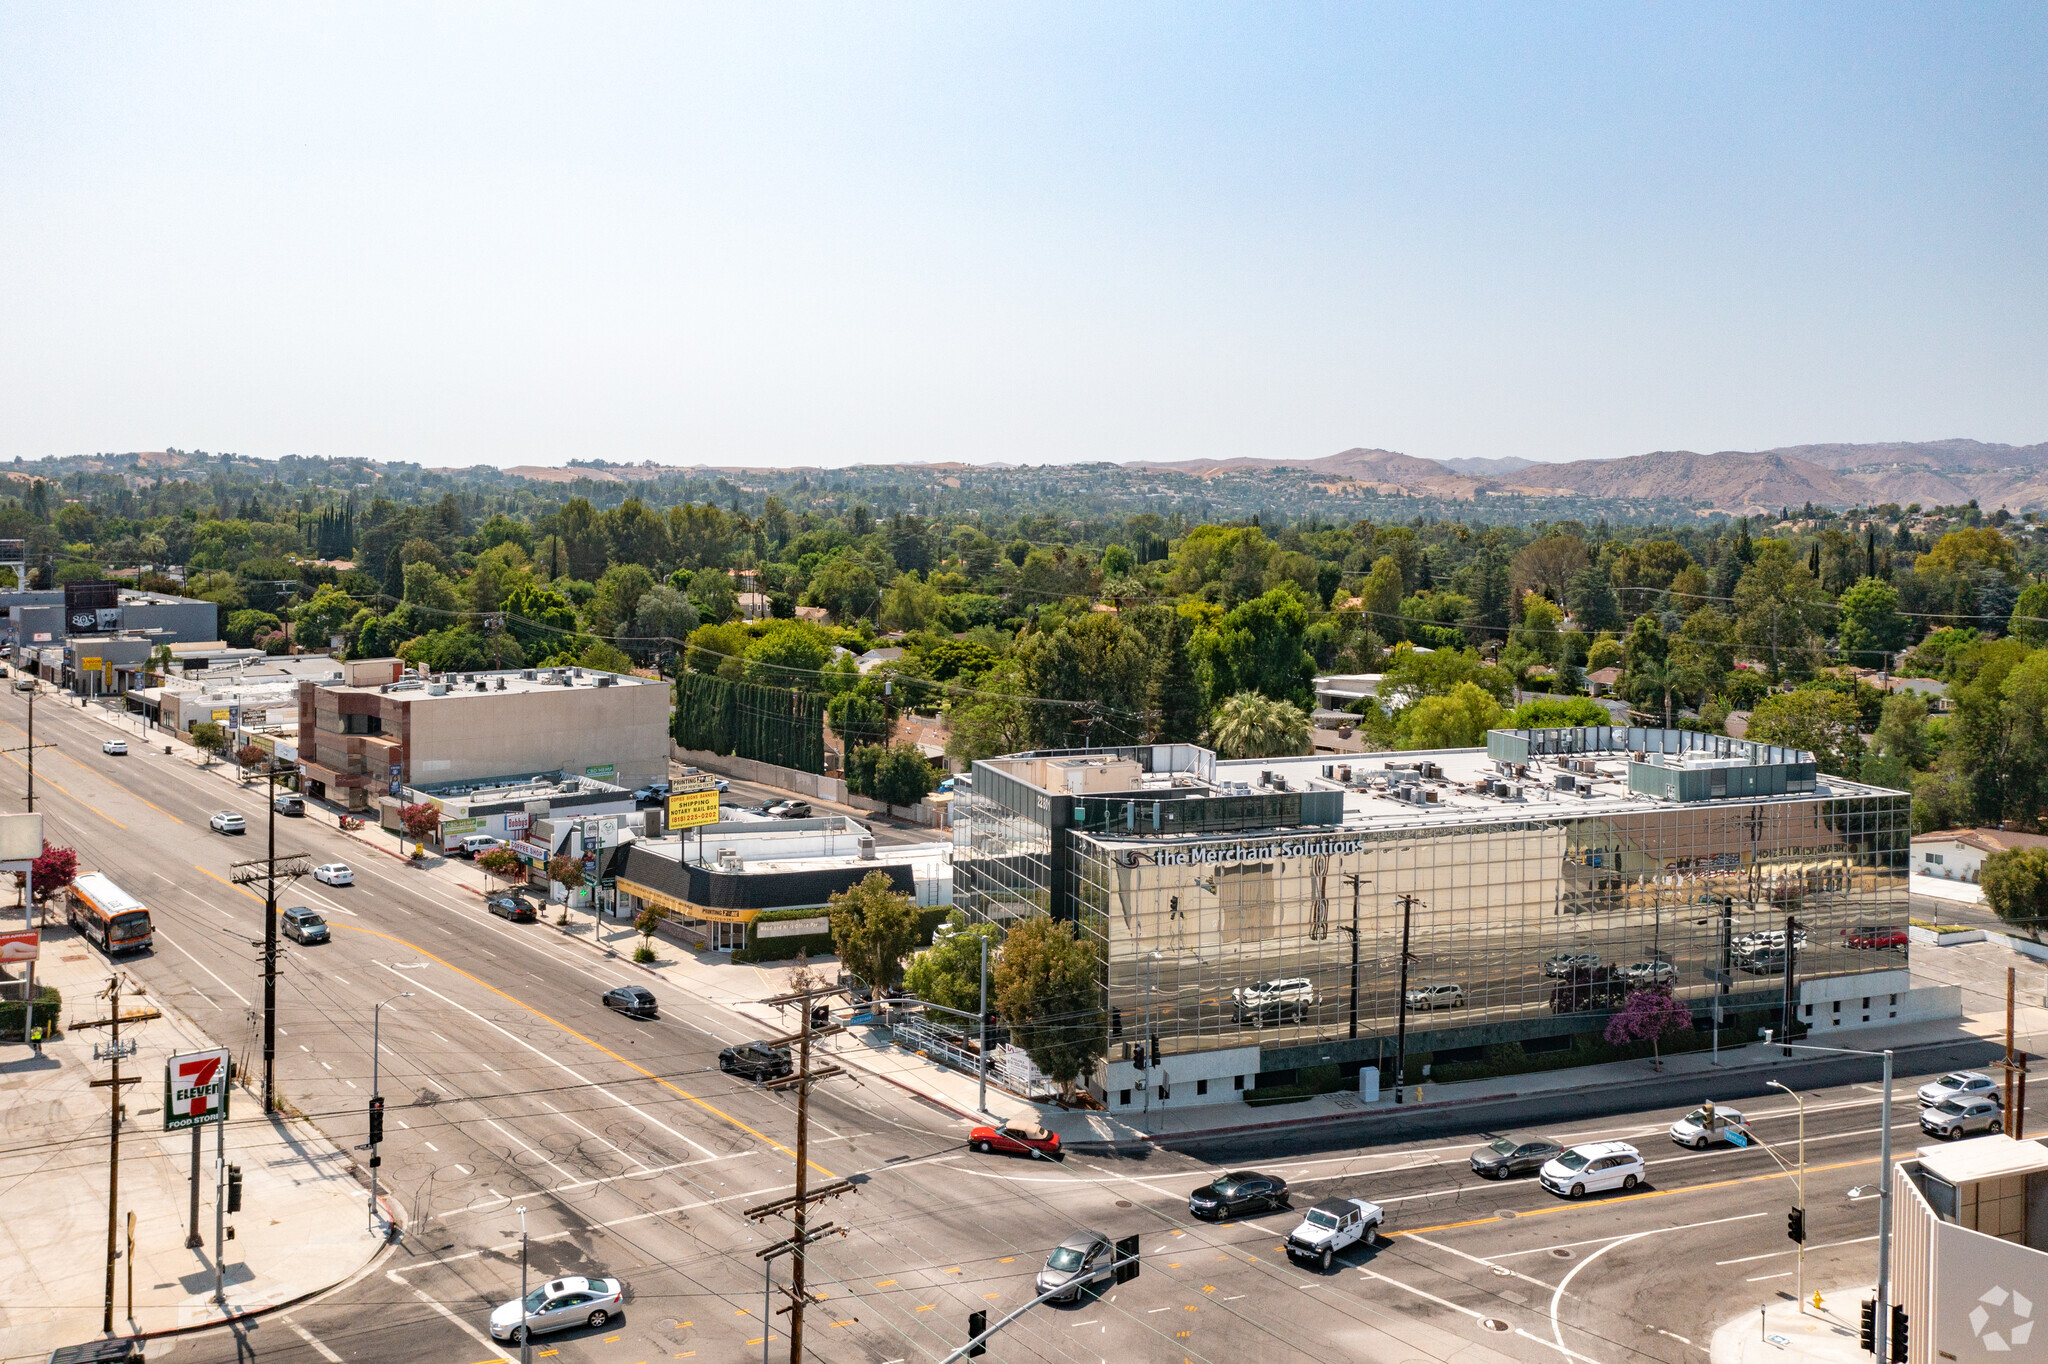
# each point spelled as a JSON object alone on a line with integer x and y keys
{"x": 766, "y": 724}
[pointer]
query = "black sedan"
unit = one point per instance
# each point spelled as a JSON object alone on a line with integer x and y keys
{"x": 1506, "y": 1157}
{"x": 512, "y": 907}
{"x": 755, "y": 1061}
{"x": 635, "y": 1001}
{"x": 1239, "y": 1192}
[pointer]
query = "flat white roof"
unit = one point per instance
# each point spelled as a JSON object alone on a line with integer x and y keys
{"x": 1991, "y": 1156}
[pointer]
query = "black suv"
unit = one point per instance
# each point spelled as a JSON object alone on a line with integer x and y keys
{"x": 755, "y": 1061}
{"x": 1244, "y": 1191}
{"x": 512, "y": 907}
{"x": 635, "y": 1001}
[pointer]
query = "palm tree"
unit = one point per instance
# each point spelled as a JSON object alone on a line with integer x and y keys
{"x": 1249, "y": 725}
{"x": 1663, "y": 676}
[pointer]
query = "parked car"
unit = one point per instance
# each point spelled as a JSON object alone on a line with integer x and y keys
{"x": 1565, "y": 963}
{"x": 288, "y": 804}
{"x": 303, "y": 925}
{"x": 1436, "y": 996}
{"x": 1876, "y": 937}
{"x": 793, "y": 809}
{"x": 227, "y": 822}
{"x": 720, "y": 785}
{"x": 1273, "y": 1001}
{"x": 755, "y": 1061}
{"x": 1506, "y": 1157}
{"x": 474, "y": 846}
{"x": 1017, "y": 1137}
{"x": 1707, "y": 1125}
{"x": 1240, "y": 1192}
{"x": 513, "y": 907}
{"x": 117, "y": 747}
{"x": 558, "y": 1305}
{"x": 1653, "y": 972}
{"x": 334, "y": 874}
{"x": 1960, "y": 1084}
{"x": 1952, "y": 1118}
{"x": 1081, "y": 1261}
{"x": 1593, "y": 1168}
{"x": 1331, "y": 1226}
{"x": 635, "y": 1001}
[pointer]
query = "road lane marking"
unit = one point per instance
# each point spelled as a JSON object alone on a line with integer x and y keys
{"x": 319, "y": 1347}
{"x": 202, "y": 965}
{"x": 1453, "y": 1250}
{"x": 1557, "y": 1330}
{"x": 1762, "y": 1277}
{"x": 1810, "y": 1249}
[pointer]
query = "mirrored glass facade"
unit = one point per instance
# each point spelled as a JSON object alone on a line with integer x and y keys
{"x": 1286, "y": 932}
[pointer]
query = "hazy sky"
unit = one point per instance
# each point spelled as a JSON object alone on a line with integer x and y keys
{"x": 868, "y": 233}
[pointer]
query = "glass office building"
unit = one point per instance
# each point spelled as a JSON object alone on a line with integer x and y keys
{"x": 1264, "y": 905}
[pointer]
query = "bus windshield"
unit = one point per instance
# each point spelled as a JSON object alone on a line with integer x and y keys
{"x": 133, "y": 924}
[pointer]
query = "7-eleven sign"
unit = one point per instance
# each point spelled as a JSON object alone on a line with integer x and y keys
{"x": 195, "y": 1088}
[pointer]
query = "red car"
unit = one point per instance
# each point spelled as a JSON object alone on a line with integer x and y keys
{"x": 1876, "y": 937}
{"x": 1017, "y": 1137}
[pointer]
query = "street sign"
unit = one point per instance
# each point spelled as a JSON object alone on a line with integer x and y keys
{"x": 1738, "y": 1137}
{"x": 602, "y": 771}
{"x": 20, "y": 944}
{"x": 692, "y": 808}
{"x": 195, "y": 1088}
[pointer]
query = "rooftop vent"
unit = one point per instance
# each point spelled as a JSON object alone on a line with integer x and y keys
{"x": 865, "y": 846}
{"x": 500, "y": 686}
{"x": 437, "y": 688}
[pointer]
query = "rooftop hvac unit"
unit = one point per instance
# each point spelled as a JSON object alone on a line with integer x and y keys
{"x": 1564, "y": 781}
{"x": 1329, "y": 772}
{"x": 437, "y": 688}
{"x": 1431, "y": 770}
{"x": 1344, "y": 772}
{"x": 1429, "y": 797}
{"x": 1265, "y": 777}
{"x": 865, "y": 847}
{"x": 482, "y": 685}
{"x": 606, "y": 680}
{"x": 526, "y": 674}
{"x": 1511, "y": 791}
{"x": 729, "y": 860}
{"x": 500, "y": 686}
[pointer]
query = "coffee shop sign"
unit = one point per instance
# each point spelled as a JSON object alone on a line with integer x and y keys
{"x": 1248, "y": 852}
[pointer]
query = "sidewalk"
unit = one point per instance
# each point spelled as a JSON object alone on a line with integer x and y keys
{"x": 1961, "y": 892}
{"x": 1782, "y": 1333}
{"x": 302, "y": 1229}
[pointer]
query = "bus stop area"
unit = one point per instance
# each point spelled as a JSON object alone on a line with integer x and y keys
{"x": 303, "y": 1225}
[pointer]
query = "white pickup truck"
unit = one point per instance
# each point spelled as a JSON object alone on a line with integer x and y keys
{"x": 1330, "y": 1226}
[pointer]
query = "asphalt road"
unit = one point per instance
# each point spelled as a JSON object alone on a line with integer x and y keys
{"x": 509, "y": 1087}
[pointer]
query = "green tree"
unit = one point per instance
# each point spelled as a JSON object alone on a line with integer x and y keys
{"x": 789, "y": 653}
{"x": 618, "y": 597}
{"x": 1258, "y": 647}
{"x": 1380, "y": 596}
{"x": 1590, "y": 595}
{"x": 1870, "y": 623}
{"x": 210, "y": 738}
{"x": 1457, "y": 720}
{"x": 502, "y": 864}
{"x": 2029, "y": 619}
{"x": 846, "y": 587}
{"x": 662, "y": 621}
{"x": 1174, "y": 695}
{"x": 538, "y": 616}
{"x": 2016, "y": 885}
{"x": 605, "y": 658}
{"x": 1562, "y": 712}
{"x": 993, "y": 721}
{"x": 949, "y": 974}
{"x": 1779, "y": 610}
{"x": 902, "y": 775}
{"x": 874, "y": 927}
{"x": 712, "y": 592}
{"x": 327, "y": 614}
{"x": 1249, "y": 725}
{"x": 1538, "y": 633}
{"x": 1411, "y": 675}
{"x": 1048, "y": 987}
{"x": 1824, "y": 723}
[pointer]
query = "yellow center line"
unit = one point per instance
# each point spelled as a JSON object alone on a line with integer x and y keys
{"x": 229, "y": 884}
{"x": 590, "y": 1042}
{"x": 1633, "y": 1198}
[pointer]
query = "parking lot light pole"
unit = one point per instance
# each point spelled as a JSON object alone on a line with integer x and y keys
{"x": 1884, "y": 1189}
{"x": 1799, "y": 1099}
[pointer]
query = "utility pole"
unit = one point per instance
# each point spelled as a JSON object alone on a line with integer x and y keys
{"x": 114, "y": 1050}
{"x": 267, "y": 870}
{"x": 1401, "y": 1023}
{"x": 797, "y": 1206}
{"x": 1356, "y": 881}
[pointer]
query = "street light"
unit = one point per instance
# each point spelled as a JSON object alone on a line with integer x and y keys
{"x": 1884, "y": 1188}
{"x": 1799, "y": 1099}
{"x": 377, "y": 1098}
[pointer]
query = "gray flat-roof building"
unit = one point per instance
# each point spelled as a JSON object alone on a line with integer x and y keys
{"x": 1250, "y": 915}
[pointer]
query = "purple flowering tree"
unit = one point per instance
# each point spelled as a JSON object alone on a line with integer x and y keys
{"x": 1650, "y": 1015}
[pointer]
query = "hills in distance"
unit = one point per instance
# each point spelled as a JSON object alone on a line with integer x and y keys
{"x": 1739, "y": 482}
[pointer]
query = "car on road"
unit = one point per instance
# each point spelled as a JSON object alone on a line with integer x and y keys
{"x": 1081, "y": 1261}
{"x": 1960, "y": 1084}
{"x": 1952, "y": 1118}
{"x": 1877, "y": 938}
{"x": 1565, "y": 963}
{"x": 634, "y": 1001}
{"x": 289, "y": 805}
{"x": 1273, "y": 1001}
{"x": 303, "y": 925}
{"x": 1593, "y": 1168}
{"x": 334, "y": 874}
{"x": 513, "y": 907}
{"x": 1436, "y": 996}
{"x": 1239, "y": 1192}
{"x": 1333, "y": 1225}
{"x": 1506, "y": 1157}
{"x": 1649, "y": 972}
{"x": 117, "y": 747}
{"x": 1707, "y": 1125}
{"x": 558, "y": 1305}
{"x": 228, "y": 822}
{"x": 755, "y": 1061}
{"x": 1017, "y": 1137}
{"x": 792, "y": 809}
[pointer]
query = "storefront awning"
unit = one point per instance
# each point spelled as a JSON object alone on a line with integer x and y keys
{"x": 649, "y": 895}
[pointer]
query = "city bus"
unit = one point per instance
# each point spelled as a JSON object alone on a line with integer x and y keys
{"x": 110, "y": 917}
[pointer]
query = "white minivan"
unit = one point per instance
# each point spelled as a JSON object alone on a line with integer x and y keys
{"x": 1594, "y": 1168}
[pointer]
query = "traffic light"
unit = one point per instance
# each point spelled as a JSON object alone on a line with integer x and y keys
{"x": 1795, "y": 1225}
{"x": 977, "y": 1322}
{"x": 1127, "y": 1259}
{"x": 376, "y": 1118}
{"x": 1868, "y": 1338}
{"x": 1138, "y": 1056}
{"x": 1707, "y": 1108}
{"x": 1898, "y": 1334}
{"x": 234, "y": 1188}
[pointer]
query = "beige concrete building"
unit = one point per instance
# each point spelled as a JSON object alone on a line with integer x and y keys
{"x": 359, "y": 740}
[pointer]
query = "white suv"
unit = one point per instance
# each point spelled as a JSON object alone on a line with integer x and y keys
{"x": 1960, "y": 1084}
{"x": 1592, "y": 1168}
{"x": 1272, "y": 1001}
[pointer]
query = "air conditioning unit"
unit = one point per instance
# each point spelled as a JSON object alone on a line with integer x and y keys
{"x": 729, "y": 859}
{"x": 437, "y": 688}
{"x": 865, "y": 847}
